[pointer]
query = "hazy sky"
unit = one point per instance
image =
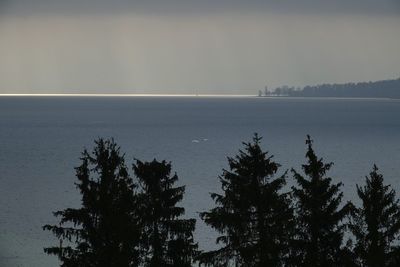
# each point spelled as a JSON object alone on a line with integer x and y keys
{"x": 203, "y": 46}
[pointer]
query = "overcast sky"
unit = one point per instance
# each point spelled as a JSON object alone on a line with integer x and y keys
{"x": 176, "y": 46}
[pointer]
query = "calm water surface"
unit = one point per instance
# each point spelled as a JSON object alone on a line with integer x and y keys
{"x": 41, "y": 139}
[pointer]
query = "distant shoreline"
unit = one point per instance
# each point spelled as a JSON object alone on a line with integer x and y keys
{"x": 195, "y": 96}
{"x": 123, "y": 95}
{"x": 377, "y": 89}
{"x": 330, "y": 97}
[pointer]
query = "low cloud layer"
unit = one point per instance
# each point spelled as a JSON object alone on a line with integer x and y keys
{"x": 29, "y": 7}
{"x": 223, "y": 47}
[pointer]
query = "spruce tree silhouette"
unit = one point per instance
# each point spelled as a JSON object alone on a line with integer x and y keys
{"x": 376, "y": 224}
{"x": 319, "y": 224}
{"x": 167, "y": 239}
{"x": 104, "y": 231}
{"x": 254, "y": 218}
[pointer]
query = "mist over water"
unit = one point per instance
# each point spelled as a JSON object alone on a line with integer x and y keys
{"x": 41, "y": 139}
{"x": 181, "y": 47}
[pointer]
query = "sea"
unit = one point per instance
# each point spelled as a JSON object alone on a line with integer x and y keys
{"x": 42, "y": 137}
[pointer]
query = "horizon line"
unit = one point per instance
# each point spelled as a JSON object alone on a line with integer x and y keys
{"x": 129, "y": 95}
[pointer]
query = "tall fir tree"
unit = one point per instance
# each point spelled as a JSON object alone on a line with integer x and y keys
{"x": 319, "y": 217}
{"x": 167, "y": 238}
{"x": 254, "y": 218}
{"x": 104, "y": 231}
{"x": 376, "y": 224}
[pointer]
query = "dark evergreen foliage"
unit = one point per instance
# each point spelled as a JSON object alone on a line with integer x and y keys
{"x": 104, "y": 230}
{"x": 167, "y": 238}
{"x": 319, "y": 217}
{"x": 120, "y": 224}
{"x": 254, "y": 218}
{"x": 376, "y": 224}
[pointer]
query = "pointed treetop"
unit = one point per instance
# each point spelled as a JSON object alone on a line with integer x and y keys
{"x": 257, "y": 138}
{"x": 309, "y": 141}
{"x": 375, "y": 168}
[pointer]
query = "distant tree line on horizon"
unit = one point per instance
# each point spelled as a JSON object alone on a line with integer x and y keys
{"x": 134, "y": 219}
{"x": 377, "y": 89}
